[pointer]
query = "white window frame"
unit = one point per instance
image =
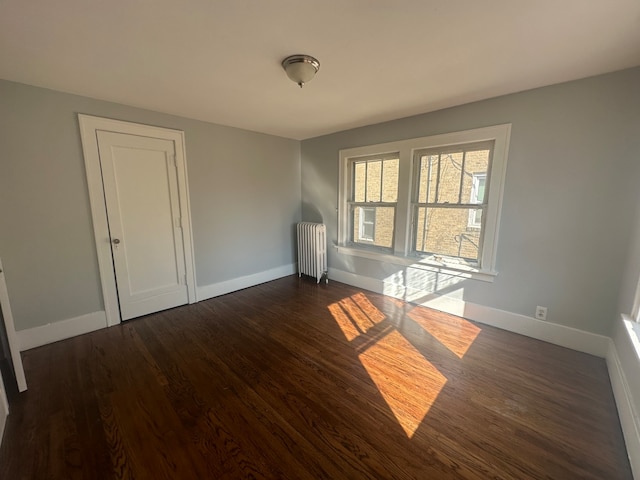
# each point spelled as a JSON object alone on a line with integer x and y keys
{"x": 352, "y": 204}
{"x": 401, "y": 251}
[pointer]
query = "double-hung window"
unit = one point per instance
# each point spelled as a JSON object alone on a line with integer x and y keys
{"x": 434, "y": 200}
{"x": 373, "y": 198}
{"x": 449, "y": 200}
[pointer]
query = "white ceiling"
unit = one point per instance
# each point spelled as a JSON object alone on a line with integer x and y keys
{"x": 219, "y": 60}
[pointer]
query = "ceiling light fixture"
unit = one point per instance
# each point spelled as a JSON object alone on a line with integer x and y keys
{"x": 301, "y": 68}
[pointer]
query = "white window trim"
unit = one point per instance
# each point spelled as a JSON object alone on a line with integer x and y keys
{"x": 500, "y": 134}
{"x": 352, "y": 205}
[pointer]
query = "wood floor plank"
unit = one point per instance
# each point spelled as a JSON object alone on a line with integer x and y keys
{"x": 324, "y": 383}
{"x": 253, "y": 419}
{"x": 294, "y": 380}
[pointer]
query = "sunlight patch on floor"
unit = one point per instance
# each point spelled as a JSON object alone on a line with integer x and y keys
{"x": 355, "y": 315}
{"x": 344, "y": 322}
{"x": 368, "y": 308}
{"x": 455, "y": 333}
{"x": 363, "y": 315}
{"x": 407, "y": 382}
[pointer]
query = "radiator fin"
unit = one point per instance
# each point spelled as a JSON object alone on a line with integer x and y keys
{"x": 312, "y": 250}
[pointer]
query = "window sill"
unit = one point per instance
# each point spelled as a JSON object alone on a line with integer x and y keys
{"x": 430, "y": 265}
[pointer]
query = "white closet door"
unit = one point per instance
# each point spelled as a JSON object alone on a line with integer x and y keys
{"x": 143, "y": 209}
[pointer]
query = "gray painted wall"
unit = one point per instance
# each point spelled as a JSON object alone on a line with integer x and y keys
{"x": 564, "y": 234}
{"x": 244, "y": 191}
{"x": 571, "y": 175}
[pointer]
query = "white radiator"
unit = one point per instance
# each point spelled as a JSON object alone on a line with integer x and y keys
{"x": 312, "y": 250}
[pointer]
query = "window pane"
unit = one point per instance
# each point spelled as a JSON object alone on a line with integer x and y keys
{"x": 453, "y": 176}
{"x": 369, "y": 215}
{"x": 427, "y": 178}
{"x": 444, "y": 231}
{"x": 374, "y": 177}
{"x": 373, "y": 226}
{"x": 480, "y": 191}
{"x": 450, "y": 172}
{"x": 422, "y": 175}
{"x": 476, "y": 166}
{"x": 390, "y": 180}
{"x": 376, "y": 180}
{"x": 359, "y": 180}
{"x": 475, "y": 218}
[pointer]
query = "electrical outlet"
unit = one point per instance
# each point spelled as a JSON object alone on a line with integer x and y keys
{"x": 541, "y": 313}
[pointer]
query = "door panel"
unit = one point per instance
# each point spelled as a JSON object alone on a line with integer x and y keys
{"x": 143, "y": 211}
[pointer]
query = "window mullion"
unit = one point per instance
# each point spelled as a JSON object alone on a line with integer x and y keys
{"x": 366, "y": 181}
{"x": 428, "y": 181}
{"x": 424, "y": 228}
{"x": 403, "y": 210}
{"x": 381, "y": 178}
{"x": 423, "y": 234}
{"x": 374, "y": 204}
{"x": 464, "y": 158}
{"x": 453, "y": 205}
{"x": 437, "y": 196}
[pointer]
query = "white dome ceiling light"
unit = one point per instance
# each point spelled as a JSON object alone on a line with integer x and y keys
{"x": 301, "y": 68}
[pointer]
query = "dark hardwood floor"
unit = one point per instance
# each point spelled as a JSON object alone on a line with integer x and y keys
{"x": 293, "y": 380}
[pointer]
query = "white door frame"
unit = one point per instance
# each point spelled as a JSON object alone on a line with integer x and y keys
{"x": 89, "y": 126}
{"x": 12, "y": 339}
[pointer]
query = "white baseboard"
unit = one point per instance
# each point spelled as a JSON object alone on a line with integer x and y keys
{"x": 228, "y": 286}
{"x": 556, "y": 334}
{"x": 561, "y": 335}
{"x": 629, "y": 419}
{"x": 52, "y": 332}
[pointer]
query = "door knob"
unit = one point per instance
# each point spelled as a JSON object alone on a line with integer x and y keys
{"x": 115, "y": 241}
